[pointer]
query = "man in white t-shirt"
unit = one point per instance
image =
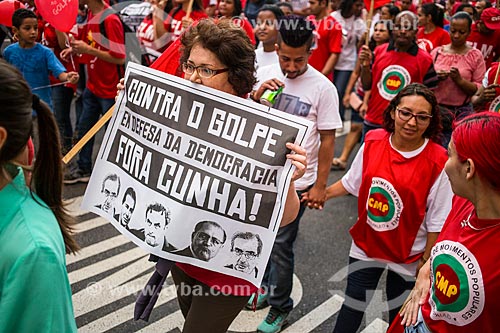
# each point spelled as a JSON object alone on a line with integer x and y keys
{"x": 309, "y": 94}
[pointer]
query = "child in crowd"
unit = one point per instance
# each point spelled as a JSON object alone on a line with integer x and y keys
{"x": 34, "y": 60}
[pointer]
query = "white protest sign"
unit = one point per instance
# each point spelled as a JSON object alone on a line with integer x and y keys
{"x": 193, "y": 174}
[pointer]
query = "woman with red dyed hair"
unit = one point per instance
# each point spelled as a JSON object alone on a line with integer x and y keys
{"x": 458, "y": 289}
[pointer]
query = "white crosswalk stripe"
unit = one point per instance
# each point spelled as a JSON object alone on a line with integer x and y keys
{"x": 106, "y": 264}
{"x": 97, "y": 248}
{"x": 124, "y": 314}
{"x": 317, "y": 316}
{"x": 376, "y": 326}
{"x": 118, "y": 289}
{"x": 112, "y": 288}
{"x": 90, "y": 224}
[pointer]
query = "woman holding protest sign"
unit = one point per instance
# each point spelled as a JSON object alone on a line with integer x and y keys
{"x": 457, "y": 290}
{"x": 35, "y": 229}
{"x": 402, "y": 203}
{"x": 220, "y": 55}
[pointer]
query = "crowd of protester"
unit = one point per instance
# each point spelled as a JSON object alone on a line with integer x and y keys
{"x": 422, "y": 78}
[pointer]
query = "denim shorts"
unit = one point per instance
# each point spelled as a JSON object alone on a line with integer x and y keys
{"x": 419, "y": 327}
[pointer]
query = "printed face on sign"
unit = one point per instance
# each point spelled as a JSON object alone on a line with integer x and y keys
{"x": 127, "y": 207}
{"x": 207, "y": 240}
{"x": 246, "y": 248}
{"x": 110, "y": 188}
{"x": 157, "y": 219}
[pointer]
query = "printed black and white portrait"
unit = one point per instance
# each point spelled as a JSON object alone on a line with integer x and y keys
{"x": 207, "y": 239}
{"x": 246, "y": 248}
{"x": 157, "y": 221}
{"x": 126, "y": 209}
{"x": 110, "y": 189}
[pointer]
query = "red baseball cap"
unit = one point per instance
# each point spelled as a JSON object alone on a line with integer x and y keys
{"x": 491, "y": 18}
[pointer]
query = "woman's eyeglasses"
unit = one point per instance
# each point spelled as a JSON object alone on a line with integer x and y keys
{"x": 203, "y": 71}
{"x": 406, "y": 115}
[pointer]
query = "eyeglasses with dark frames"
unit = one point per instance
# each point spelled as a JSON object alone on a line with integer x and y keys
{"x": 203, "y": 71}
{"x": 246, "y": 254}
{"x": 406, "y": 115}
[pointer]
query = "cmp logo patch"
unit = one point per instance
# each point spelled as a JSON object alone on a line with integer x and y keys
{"x": 384, "y": 205}
{"x": 457, "y": 293}
{"x": 394, "y": 78}
{"x": 495, "y": 104}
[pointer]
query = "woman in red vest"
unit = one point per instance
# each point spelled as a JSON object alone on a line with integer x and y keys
{"x": 457, "y": 290}
{"x": 403, "y": 200}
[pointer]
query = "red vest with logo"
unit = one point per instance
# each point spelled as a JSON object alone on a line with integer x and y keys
{"x": 391, "y": 72}
{"x": 393, "y": 197}
{"x": 465, "y": 274}
{"x": 494, "y": 105}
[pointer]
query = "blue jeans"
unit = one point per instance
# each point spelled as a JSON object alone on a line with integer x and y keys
{"x": 279, "y": 271}
{"x": 80, "y": 88}
{"x": 93, "y": 107}
{"x": 367, "y": 128}
{"x": 362, "y": 280}
{"x": 340, "y": 80}
{"x": 420, "y": 327}
{"x": 61, "y": 98}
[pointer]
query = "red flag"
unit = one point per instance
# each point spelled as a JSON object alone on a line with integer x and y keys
{"x": 396, "y": 326}
{"x": 61, "y": 14}
{"x": 168, "y": 62}
{"x": 377, "y": 3}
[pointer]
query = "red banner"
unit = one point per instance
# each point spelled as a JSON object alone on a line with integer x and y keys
{"x": 61, "y": 14}
{"x": 377, "y": 3}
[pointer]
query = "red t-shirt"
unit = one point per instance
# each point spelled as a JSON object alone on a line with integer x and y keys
{"x": 145, "y": 31}
{"x": 145, "y": 35}
{"x": 391, "y": 72}
{"x": 49, "y": 39}
{"x": 103, "y": 76}
{"x": 392, "y": 200}
{"x": 430, "y": 41}
{"x": 489, "y": 44}
{"x": 465, "y": 278}
{"x": 220, "y": 282}
{"x": 329, "y": 40}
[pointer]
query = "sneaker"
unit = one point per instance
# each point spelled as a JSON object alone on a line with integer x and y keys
{"x": 274, "y": 322}
{"x": 261, "y": 301}
{"x": 75, "y": 176}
